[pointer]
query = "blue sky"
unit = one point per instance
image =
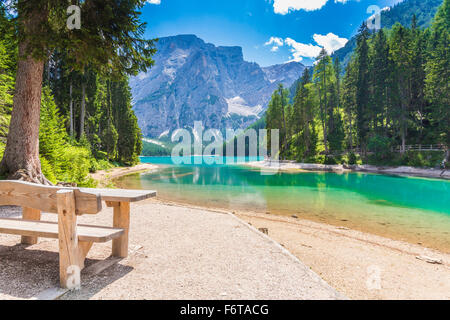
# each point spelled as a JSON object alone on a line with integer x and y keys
{"x": 269, "y": 31}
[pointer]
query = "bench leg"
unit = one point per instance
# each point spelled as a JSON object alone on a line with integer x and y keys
{"x": 69, "y": 249}
{"x": 84, "y": 247}
{"x": 121, "y": 220}
{"x": 30, "y": 214}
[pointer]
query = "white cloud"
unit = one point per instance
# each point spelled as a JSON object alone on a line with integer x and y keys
{"x": 301, "y": 50}
{"x": 330, "y": 42}
{"x": 154, "y": 1}
{"x": 286, "y": 6}
{"x": 274, "y": 40}
{"x": 277, "y": 42}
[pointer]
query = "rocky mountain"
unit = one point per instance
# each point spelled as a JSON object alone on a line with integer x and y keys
{"x": 197, "y": 81}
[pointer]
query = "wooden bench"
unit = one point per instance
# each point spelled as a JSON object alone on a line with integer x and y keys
{"x": 75, "y": 240}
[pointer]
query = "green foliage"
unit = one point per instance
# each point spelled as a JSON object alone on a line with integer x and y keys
{"x": 423, "y": 159}
{"x": 380, "y": 146}
{"x": 277, "y": 117}
{"x": 76, "y": 165}
{"x": 352, "y": 159}
{"x": 47, "y": 170}
{"x": 424, "y": 10}
{"x": 395, "y": 92}
{"x": 437, "y": 82}
{"x": 330, "y": 160}
{"x": 305, "y": 138}
{"x": 402, "y": 13}
{"x": 86, "y": 113}
{"x": 154, "y": 150}
{"x": 61, "y": 160}
{"x": 7, "y": 73}
{"x": 110, "y": 40}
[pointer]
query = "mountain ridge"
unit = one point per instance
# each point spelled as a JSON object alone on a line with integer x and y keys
{"x": 193, "y": 80}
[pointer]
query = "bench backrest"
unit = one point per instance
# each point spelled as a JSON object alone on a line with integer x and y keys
{"x": 43, "y": 198}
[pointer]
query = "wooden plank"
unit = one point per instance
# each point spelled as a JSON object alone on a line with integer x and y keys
{"x": 122, "y": 221}
{"x": 122, "y": 195}
{"x": 47, "y": 229}
{"x": 43, "y": 198}
{"x": 87, "y": 203}
{"x": 84, "y": 248}
{"x": 100, "y": 266}
{"x": 69, "y": 258}
{"x": 30, "y": 214}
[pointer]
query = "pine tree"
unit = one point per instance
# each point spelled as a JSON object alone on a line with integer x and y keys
{"x": 362, "y": 86}
{"x": 321, "y": 77}
{"x": 379, "y": 81}
{"x": 107, "y": 26}
{"x": 7, "y": 73}
{"x": 401, "y": 54}
{"x": 418, "y": 62}
{"x": 303, "y": 115}
{"x": 349, "y": 101}
{"x": 438, "y": 75}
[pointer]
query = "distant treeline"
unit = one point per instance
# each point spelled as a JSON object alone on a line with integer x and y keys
{"x": 395, "y": 92}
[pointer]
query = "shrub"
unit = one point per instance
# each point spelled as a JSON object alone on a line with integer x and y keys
{"x": 330, "y": 160}
{"x": 380, "y": 146}
{"x": 430, "y": 159}
{"x": 352, "y": 159}
{"x": 47, "y": 170}
{"x": 2, "y": 149}
{"x": 97, "y": 165}
{"x": 75, "y": 166}
{"x": 62, "y": 159}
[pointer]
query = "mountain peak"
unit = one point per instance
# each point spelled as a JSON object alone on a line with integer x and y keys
{"x": 197, "y": 81}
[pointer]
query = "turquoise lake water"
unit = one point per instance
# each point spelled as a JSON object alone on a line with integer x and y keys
{"x": 412, "y": 209}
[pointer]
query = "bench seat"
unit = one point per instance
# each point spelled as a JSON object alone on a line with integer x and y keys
{"x": 46, "y": 229}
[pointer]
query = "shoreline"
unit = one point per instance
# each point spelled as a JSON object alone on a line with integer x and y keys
{"x": 429, "y": 242}
{"x": 344, "y": 257}
{"x": 289, "y": 166}
{"x": 426, "y": 244}
{"x": 104, "y": 178}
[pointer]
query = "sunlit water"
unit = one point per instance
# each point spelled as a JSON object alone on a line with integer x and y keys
{"x": 411, "y": 209}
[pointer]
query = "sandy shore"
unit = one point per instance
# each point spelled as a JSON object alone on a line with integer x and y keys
{"x": 105, "y": 177}
{"x": 175, "y": 253}
{"x": 350, "y": 260}
{"x": 403, "y": 171}
{"x": 186, "y": 252}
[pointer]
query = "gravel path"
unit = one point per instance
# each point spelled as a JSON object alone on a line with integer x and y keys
{"x": 176, "y": 253}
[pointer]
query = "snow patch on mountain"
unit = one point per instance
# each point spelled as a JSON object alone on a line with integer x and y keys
{"x": 239, "y": 106}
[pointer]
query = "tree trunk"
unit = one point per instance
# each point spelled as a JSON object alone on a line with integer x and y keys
{"x": 83, "y": 109}
{"x": 21, "y": 157}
